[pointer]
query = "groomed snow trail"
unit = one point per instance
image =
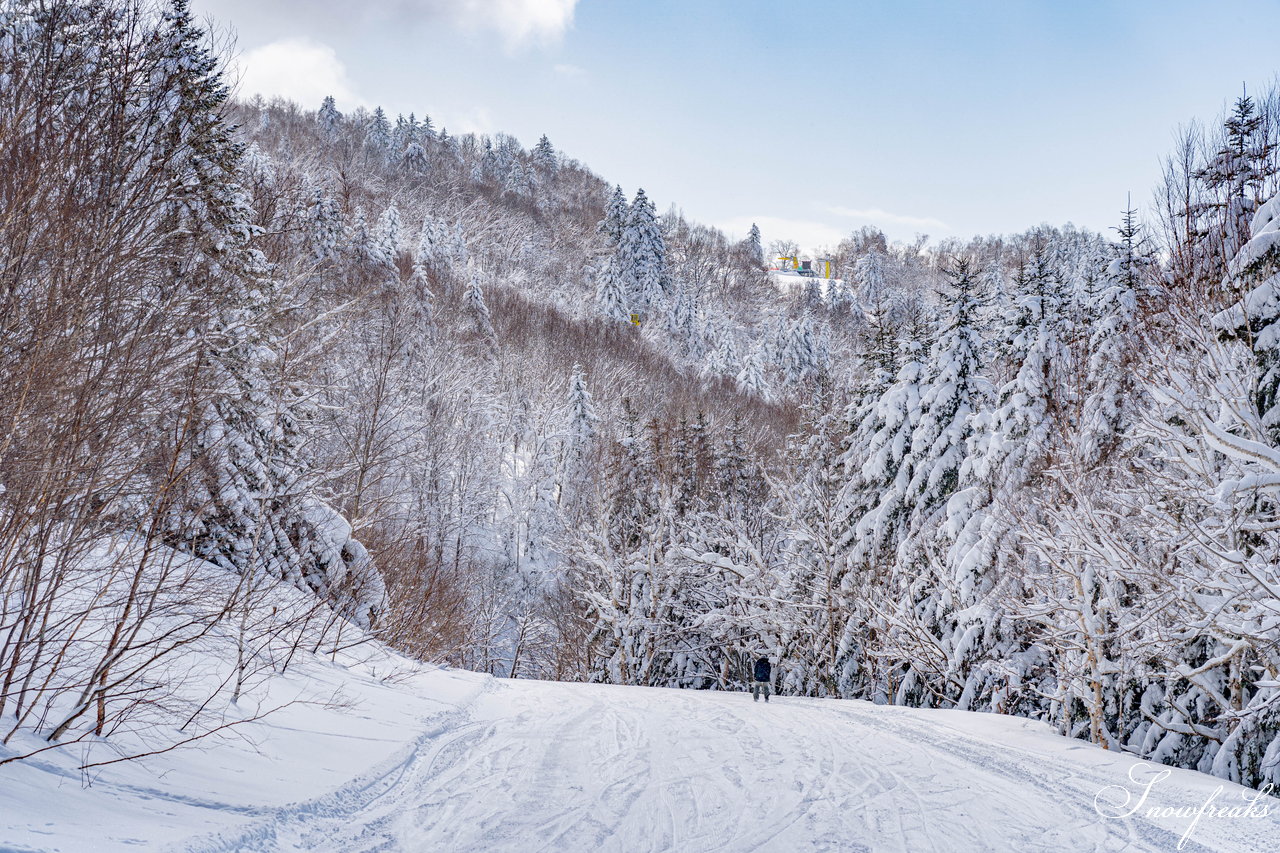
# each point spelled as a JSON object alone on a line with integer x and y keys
{"x": 539, "y": 766}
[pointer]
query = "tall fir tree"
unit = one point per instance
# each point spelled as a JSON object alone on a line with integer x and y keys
{"x": 543, "y": 156}
{"x": 1114, "y": 344}
{"x": 329, "y": 117}
{"x": 953, "y": 389}
{"x": 478, "y": 309}
{"x": 611, "y": 297}
{"x": 1255, "y": 319}
{"x": 324, "y": 226}
{"x": 615, "y": 218}
{"x": 1237, "y": 174}
{"x": 754, "y": 247}
{"x": 642, "y": 255}
{"x": 378, "y": 132}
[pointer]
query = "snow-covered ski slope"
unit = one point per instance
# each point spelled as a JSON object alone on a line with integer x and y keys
{"x": 449, "y": 761}
{"x": 788, "y": 279}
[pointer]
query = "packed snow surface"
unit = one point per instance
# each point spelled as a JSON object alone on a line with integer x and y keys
{"x": 791, "y": 278}
{"x": 439, "y": 760}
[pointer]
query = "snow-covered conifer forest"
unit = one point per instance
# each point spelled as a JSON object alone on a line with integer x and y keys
{"x": 480, "y": 404}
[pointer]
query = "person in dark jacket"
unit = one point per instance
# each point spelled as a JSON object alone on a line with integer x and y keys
{"x": 763, "y": 674}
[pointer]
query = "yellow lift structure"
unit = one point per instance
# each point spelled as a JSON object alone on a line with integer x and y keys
{"x": 793, "y": 263}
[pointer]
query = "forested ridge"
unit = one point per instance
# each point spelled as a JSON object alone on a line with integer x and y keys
{"x": 484, "y": 406}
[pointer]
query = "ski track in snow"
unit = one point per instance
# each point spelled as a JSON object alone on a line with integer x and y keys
{"x": 539, "y": 766}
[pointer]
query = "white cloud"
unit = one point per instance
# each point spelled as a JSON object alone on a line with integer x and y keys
{"x": 474, "y": 120}
{"x": 809, "y": 234}
{"x": 519, "y": 22}
{"x": 877, "y": 216}
{"x": 299, "y": 69}
{"x": 564, "y": 69}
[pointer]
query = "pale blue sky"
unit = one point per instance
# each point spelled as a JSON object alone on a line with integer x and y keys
{"x": 813, "y": 118}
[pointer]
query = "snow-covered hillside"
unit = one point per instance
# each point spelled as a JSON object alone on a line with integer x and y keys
{"x": 422, "y": 759}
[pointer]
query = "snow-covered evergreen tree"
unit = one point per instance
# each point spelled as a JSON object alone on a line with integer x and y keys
{"x": 642, "y": 255}
{"x": 755, "y": 248}
{"x": 385, "y": 243}
{"x": 873, "y": 498}
{"x": 615, "y": 218}
{"x": 255, "y": 509}
{"x": 1256, "y": 318}
{"x": 516, "y": 182}
{"x": 841, "y": 297}
{"x": 813, "y": 293}
{"x": 751, "y": 377}
{"x": 414, "y": 157}
{"x": 583, "y": 420}
{"x": 1113, "y": 344}
{"x": 815, "y": 565}
{"x": 544, "y": 157}
{"x": 324, "y": 226}
{"x": 799, "y": 356}
{"x": 682, "y": 320}
{"x": 329, "y": 116}
{"x": 1008, "y": 443}
{"x": 611, "y": 297}
{"x": 378, "y": 132}
{"x": 870, "y": 278}
{"x": 422, "y": 308}
{"x": 481, "y": 320}
{"x": 1236, "y": 174}
{"x": 953, "y": 389}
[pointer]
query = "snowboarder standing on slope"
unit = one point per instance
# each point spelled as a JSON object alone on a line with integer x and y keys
{"x": 763, "y": 672}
